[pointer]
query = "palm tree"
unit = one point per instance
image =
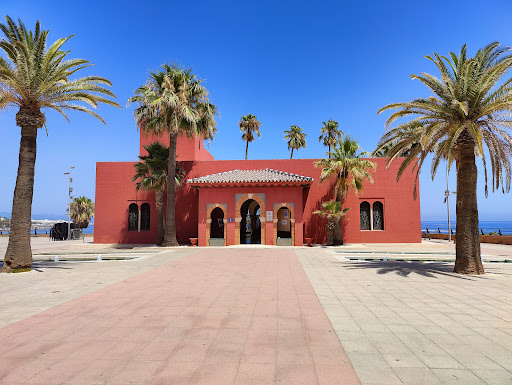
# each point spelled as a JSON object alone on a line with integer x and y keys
{"x": 470, "y": 107}
{"x": 174, "y": 101}
{"x": 82, "y": 211}
{"x": 33, "y": 78}
{"x": 249, "y": 125}
{"x": 333, "y": 211}
{"x": 296, "y": 138}
{"x": 383, "y": 151}
{"x": 348, "y": 169}
{"x": 151, "y": 175}
{"x": 330, "y": 134}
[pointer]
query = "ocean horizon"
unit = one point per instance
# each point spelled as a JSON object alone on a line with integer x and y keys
{"x": 46, "y": 231}
{"x": 486, "y": 226}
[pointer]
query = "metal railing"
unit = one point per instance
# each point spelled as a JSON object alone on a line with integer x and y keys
{"x": 483, "y": 231}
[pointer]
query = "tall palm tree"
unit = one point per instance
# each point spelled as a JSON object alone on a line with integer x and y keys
{"x": 33, "y": 78}
{"x": 334, "y": 212}
{"x": 330, "y": 134}
{"x": 296, "y": 138}
{"x": 383, "y": 151}
{"x": 175, "y": 102}
{"x": 249, "y": 125}
{"x": 151, "y": 175}
{"x": 348, "y": 169}
{"x": 82, "y": 211}
{"x": 470, "y": 107}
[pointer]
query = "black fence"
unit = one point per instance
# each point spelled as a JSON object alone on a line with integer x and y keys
{"x": 483, "y": 231}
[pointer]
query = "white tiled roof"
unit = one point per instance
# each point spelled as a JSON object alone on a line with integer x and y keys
{"x": 251, "y": 176}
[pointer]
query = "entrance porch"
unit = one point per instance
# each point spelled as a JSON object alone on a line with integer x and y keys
{"x": 251, "y": 207}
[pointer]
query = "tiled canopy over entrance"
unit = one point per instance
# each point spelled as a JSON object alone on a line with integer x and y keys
{"x": 251, "y": 176}
{"x": 271, "y": 189}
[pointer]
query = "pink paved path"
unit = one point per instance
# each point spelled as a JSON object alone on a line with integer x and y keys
{"x": 238, "y": 316}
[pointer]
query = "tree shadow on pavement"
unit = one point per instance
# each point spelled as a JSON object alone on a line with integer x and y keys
{"x": 38, "y": 266}
{"x": 406, "y": 268}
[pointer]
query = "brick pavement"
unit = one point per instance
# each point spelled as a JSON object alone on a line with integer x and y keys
{"x": 222, "y": 316}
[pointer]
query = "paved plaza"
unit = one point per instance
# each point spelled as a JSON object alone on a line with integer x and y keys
{"x": 417, "y": 322}
{"x": 256, "y": 315}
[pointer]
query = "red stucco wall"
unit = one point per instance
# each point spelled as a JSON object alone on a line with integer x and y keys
{"x": 186, "y": 149}
{"x": 402, "y": 219}
{"x": 114, "y": 192}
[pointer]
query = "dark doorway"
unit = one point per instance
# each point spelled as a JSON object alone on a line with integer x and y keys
{"x": 284, "y": 223}
{"x": 217, "y": 225}
{"x": 250, "y": 225}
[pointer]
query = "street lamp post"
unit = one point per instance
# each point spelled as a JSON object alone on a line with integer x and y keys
{"x": 447, "y": 200}
{"x": 69, "y": 200}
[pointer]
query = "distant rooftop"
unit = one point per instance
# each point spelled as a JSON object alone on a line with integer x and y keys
{"x": 251, "y": 176}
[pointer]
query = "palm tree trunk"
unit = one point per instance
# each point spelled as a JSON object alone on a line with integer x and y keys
{"x": 159, "y": 202}
{"x": 19, "y": 254}
{"x": 329, "y": 231}
{"x": 291, "y": 156}
{"x": 170, "y": 224}
{"x": 338, "y": 229}
{"x": 246, "y": 148}
{"x": 468, "y": 260}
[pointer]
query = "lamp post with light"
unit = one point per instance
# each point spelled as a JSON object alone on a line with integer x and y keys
{"x": 69, "y": 200}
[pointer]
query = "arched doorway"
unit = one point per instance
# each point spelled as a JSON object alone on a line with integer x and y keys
{"x": 217, "y": 227}
{"x": 250, "y": 223}
{"x": 284, "y": 224}
{"x": 240, "y": 201}
{"x": 284, "y": 227}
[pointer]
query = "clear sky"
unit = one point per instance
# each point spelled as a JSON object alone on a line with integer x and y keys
{"x": 292, "y": 62}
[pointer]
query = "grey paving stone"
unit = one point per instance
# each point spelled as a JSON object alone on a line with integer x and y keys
{"x": 377, "y": 376}
{"x": 443, "y": 361}
{"x": 418, "y": 321}
{"x": 362, "y": 345}
{"x": 417, "y": 376}
{"x": 403, "y": 360}
{"x": 494, "y": 376}
{"x": 370, "y": 360}
{"x": 458, "y": 377}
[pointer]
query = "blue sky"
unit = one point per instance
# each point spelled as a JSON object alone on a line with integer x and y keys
{"x": 286, "y": 62}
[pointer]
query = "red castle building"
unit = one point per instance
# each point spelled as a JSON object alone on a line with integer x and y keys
{"x": 230, "y": 202}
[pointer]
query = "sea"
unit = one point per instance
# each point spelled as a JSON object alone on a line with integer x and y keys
{"x": 485, "y": 226}
{"x": 46, "y": 231}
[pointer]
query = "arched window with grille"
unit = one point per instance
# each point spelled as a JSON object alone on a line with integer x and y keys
{"x": 145, "y": 218}
{"x": 133, "y": 217}
{"x": 364, "y": 212}
{"x": 378, "y": 216}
